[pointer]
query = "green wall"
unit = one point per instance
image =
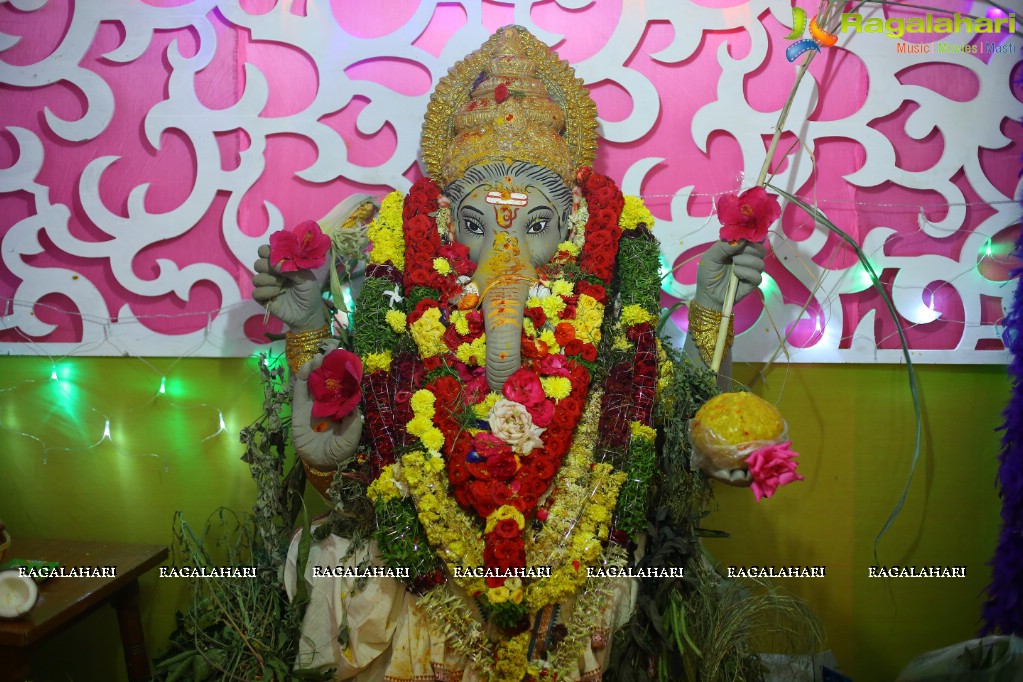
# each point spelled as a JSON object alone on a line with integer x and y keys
{"x": 852, "y": 424}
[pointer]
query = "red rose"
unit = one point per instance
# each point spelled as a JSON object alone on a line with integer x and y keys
{"x": 304, "y": 247}
{"x": 446, "y": 388}
{"x": 419, "y": 229}
{"x": 594, "y": 291}
{"x": 488, "y": 445}
{"x": 574, "y": 347}
{"x": 510, "y": 553}
{"x": 475, "y": 320}
{"x": 563, "y": 333}
{"x": 502, "y": 467}
{"x": 541, "y": 412}
{"x": 507, "y": 529}
{"x": 481, "y": 494}
{"x": 458, "y": 471}
{"x": 543, "y": 467}
{"x": 334, "y": 385}
{"x": 589, "y": 352}
{"x": 463, "y": 498}
{"x": 537, "y": 315}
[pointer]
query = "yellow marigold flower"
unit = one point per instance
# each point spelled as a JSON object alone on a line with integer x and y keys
{"x": 383, "y": 488}
{"x": 547, "y": 336}
{"x": 556, "y": 387}
{"x": 634, "y": 314}
{"x": 428, "y": 504}
{"x": 428, "y": 333}
{"x": 621, "y": 343}
{"x": 560, "y": 287}
{"x": 569, "y": 247}
{"x": 474, "y": 353}
{"x": 528, "y": 327}
{"x": 635, "y": 212}
{"x": 385, "y": 232}
{"x": 642, "y": 431}
{"x": 374, "y": 362}
{"x": 436, "y": 462}
{"x": 442, "y": 265}
{"x": 598, "y": 514}
{"x": 482, "y": 409}
{"x": 422, "y": 403}
{"x": 552, "y": 306}
{"x": 533, "y": 302}
{"x": 460, "y": 321}
{"x": 496, "y": 595}
{"x": 396, "y": 320}
{"x": 505, "y": 511}
{"x": 419, "y": 425}
{"x": 433, "y": 440}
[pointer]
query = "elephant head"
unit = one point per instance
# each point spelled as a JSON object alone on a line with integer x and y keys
{"x": 511, "y": 216}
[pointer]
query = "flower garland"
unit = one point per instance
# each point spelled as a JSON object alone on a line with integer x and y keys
{"x": 535, "y": 476}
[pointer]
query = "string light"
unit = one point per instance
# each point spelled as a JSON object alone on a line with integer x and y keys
{"x": 163, "y": 385}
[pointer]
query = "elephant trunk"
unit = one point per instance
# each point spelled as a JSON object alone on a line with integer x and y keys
{"x": 504, "y": 280}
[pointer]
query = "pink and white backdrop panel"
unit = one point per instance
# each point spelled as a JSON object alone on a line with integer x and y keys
{"x": 147, "y": 148}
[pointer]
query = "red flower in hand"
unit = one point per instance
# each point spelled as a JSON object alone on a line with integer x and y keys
{"x": 303, "y": 247}
{"x": 335, "y": 385}
{"x": 748, "y": 215}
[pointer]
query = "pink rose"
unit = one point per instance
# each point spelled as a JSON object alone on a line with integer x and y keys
{"x": 524, "y": 387}
{"x": 771, "y": 467}
{"x": 748, "y": 215}
{"x": 303, "y": 247}
{"x": 554, "y": 366}
{"x": 335, "y": 385}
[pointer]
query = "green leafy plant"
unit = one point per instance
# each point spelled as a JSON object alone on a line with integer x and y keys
{"x": 246, "y": 628}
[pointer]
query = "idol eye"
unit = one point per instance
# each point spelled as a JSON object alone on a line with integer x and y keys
{"x": 472, "y": 225}
{"x": 537, "y": 226}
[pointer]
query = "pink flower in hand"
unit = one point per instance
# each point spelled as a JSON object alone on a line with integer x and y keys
{"x": 303, "y": 247}
{"x": 748, "y": 215}
{"x": 771, "y": 467}
{"x": 335, "y": 385}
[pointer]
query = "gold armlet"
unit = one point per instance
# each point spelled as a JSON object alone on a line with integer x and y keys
{"x": 321, "y": 480}
{"x": 301, "y": 347}
{"x": 704, "y": 324}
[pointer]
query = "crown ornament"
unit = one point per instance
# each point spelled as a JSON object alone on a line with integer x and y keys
{"x": 510, "y": 100}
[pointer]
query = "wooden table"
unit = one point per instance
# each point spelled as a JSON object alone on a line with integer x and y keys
{"x": 62, "y": 601}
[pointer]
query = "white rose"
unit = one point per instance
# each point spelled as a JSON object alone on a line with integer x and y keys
{"x": 512, "y": 423}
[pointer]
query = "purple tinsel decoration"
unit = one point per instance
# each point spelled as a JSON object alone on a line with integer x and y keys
{"x": 1003, "y": 611}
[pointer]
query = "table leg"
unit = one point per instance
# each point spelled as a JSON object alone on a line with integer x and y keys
{"x": 13, "y": 664}
{"x": 126, "y": 602}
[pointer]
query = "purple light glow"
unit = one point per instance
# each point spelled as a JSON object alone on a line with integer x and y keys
{"x": 995, "y": 13}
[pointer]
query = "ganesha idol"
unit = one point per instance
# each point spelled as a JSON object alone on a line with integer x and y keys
{"x": 496, "y": 406}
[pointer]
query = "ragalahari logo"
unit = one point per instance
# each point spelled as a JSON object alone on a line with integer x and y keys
{"x": 818, "y": 36}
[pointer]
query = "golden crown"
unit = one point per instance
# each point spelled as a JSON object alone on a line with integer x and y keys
{"x": 510, "y": 100}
